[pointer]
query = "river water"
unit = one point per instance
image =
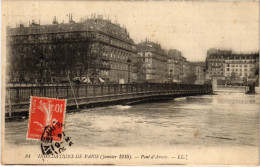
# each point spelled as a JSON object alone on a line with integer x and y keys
{"x": 225, "y": 119}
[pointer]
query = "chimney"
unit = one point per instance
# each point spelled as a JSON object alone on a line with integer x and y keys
{"x": 70, "y": 19}
{"x": 54, "y": 20}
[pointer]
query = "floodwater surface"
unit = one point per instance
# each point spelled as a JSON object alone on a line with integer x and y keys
{"x": 225, "y": 119}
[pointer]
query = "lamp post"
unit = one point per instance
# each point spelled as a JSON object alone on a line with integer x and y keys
{"x": 129, "y": 63}
{"x": 171, "y": 78}
{"x": 41, "y": 62}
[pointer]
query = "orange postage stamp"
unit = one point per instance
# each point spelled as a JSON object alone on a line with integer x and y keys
{"x": 43, "y": 113}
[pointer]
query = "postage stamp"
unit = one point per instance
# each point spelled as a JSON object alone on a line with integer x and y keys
{"x": 43, "y": 113}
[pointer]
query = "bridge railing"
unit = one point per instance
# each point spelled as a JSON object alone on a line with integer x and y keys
{"x": 23, "y": 93}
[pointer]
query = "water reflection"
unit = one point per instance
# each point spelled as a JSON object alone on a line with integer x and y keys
{"x": 211, "y": 120}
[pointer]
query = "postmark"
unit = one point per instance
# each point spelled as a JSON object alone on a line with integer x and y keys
{"x": 53, "y": 141}
{"x": 43, "y": 113}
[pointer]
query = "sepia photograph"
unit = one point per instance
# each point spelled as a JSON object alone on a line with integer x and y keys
{"x": 130, "y": 83}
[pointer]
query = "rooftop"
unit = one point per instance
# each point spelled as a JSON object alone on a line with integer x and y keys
{"x": 92, "y": 24}
{"x": 148, "y": 46}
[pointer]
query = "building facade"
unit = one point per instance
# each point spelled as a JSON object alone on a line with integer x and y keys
{"x": 175, "y": 66}
{"x": 187, "y": 69}
{"x": 199, "y": 69}
{"x": 154, "y": 62}
{"x": 230, "y": 68}
{"x": 94, "y": 48}
{"x": 215, "y": 63}
{"x": 179, "y": 69}
{"x": 240, "y": 68}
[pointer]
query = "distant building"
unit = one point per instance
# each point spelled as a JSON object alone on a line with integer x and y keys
{"x": 199, "y": 69}
{"x": 215, "y": 63}
{"x": 94, "y": 48}
{"x": 173, "y": 70}
{"x": 175, "y": 66}
{"x": 154, "y": 60}
{"x": 230, "y": 68}
{"x": 187, "y": 69}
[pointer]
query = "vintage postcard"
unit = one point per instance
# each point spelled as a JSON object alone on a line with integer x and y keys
{"x": 130, "y": 82}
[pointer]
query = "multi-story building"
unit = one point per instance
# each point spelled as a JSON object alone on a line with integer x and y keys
{"x": 154, "y": 60}
{"x": 187, "y": 69}
{"x": 94, "y": 48}
{"x": 190, "y": 75}
{"x": 215, "y": 63}
{"x": 175, "y": 65}
{"x": 239, "y": 68}
{"x": 199, "y": 69}
{"x": 172, "y": 68}
{"x": 229, "y": 68}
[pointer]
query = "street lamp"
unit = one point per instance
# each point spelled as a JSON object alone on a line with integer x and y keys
{"x": 129, "y": 63}
{"x": 41, "y": 63}
{"x": 171, "y": 78}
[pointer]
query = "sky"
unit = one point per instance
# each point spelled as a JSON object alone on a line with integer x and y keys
{"x": 191, "y": 27}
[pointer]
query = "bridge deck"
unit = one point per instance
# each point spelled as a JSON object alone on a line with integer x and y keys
{"x": 18, "y": 98}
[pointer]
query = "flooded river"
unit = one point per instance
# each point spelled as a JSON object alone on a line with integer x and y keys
{"x": 225, "y": 119}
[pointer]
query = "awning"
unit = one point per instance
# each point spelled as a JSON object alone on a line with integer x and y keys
{"x": 86, "y": 80}
{"x": 76, "y": 78}
{"x": 101, "y": 80}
